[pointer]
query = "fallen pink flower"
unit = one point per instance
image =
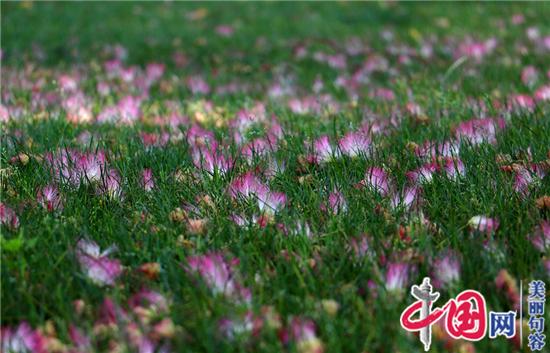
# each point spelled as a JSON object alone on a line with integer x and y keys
{"x": 483, "y": 224}
{"x": 8, "y": 217}
{"x": 97, "y": 265}
{"x": 147, "y": 180}
{"x": 541, "y": 236}
{"x": 355, "y": 144}
{"x": 50, "y": 198}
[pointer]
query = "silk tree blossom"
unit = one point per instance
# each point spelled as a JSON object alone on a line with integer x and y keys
{"x": 336, "y": 203}
{"x": 453, "y": 168}
{"x": 23, "y": 339}
{"x": 150, "y": 140}
{"x": 197, "y": 85}
{"x": 126, "y": 112}
{"x": 199, "y": 137}
{"x": 323, "y": 150}
{"x": 220, "y": 275}
{"x": 424, "y": 174}
{"x": 355, "y": 144}
{"x": 397, "y": 276}
{"x": 8, "y": 217}
{"x": 111, "y": 185}
{"x": 235, "y": 327}
{"x": 74, "y": 167}
{"x": 519, "y": 102}
{"x": 477, "y": 131}
{"x": 271, "y": 202}
{"x": 77, "y": 107}
{"x": 256, "y": 148}
{"x": 431, "y": 149}
{"x": 97, "y": 265}
{"x": 446, "y": 269}
{"x": 542, "y": 94}
{"x": 210, "y": 160}
{"x": 476, "y": 50}
{"x": 247, "y": 186}
{"x": 483, "y": 224}
{"x": 540, "y": 238}
{"x": 526, "y": 176}
{"x": 302, "y": 332}
{"x": 360, "y": 247}
{"x": 529, "y": 76}
{"x": 377, "y": 180}
{"x": 147, "y": 181}
{"x": 406, "y": 198}
{"x": 50, "y": 198}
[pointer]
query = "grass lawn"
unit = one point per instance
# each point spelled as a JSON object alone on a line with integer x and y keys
{"x": 268, "y": 177}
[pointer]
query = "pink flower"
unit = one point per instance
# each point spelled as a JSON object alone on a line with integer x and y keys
{"x": 424, "y": 174}
{"x": 529, "y": 76}
{"x": 521, "y": 101}
{"x": 432, "y": 149}
{"x": 49, "y": 198}
{"x": 147, "y": 180}
{"x": 478, "y": 131}
{"x": 483, "y": 224}
{"x": 271, "y": 202}
{"x": 476, "y": 50}
{"x": 336, "y": 203}
{"x": 526, "y": 176}
{"x": 454, "y": 168}
{"x": 541, "y": 236}
{"x": 210, "y": 160}
{"x": 97, "y": 265}
{"x": 246, "y": 186}
{"x": 302, "y": 332}
{"x": 397, "y": 276}
{"x": 219, "y": 275}
{"x": 446, "y": 269}
{"x": 110, "y": 185}
{"x": 197, "y": 136}
{"x": 377, "y": 179}
{"x": 198, "y": 85}
{"x": 406, "y": 199}
{"x": 360, "y": 247}
{"x": 323, "y": 150}
{"x": 154, "y": 71}
{"x": 257, "y": 148}
{"x": 355, "y": 144}
{"x": 225, "y": 30}
{"x": 154, "y": 140}
{"x": 8, "y": 217}
{"x": 129, "y": 109}
{"x": 68, "y": 83}
{"x": 22, "y": 339}
{"x": 543, "y": 93}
